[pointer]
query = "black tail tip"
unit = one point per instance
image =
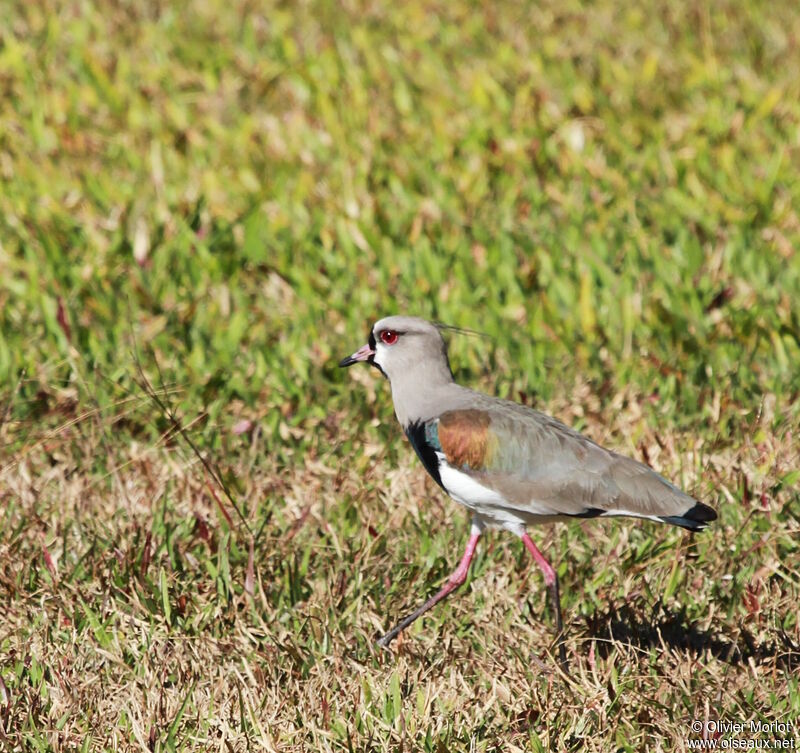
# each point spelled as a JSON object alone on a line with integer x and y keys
{"x": 694, "y": 519}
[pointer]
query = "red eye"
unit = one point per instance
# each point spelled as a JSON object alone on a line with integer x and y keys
{"x": 388, "y": 336}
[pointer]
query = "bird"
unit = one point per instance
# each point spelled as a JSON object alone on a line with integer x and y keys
{"x": 511, "y": 466}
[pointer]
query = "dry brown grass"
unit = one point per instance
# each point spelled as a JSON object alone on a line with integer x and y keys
{"x": 342, "y": 548}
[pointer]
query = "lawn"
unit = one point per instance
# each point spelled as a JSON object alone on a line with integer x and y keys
{"x": 204, "y": 523}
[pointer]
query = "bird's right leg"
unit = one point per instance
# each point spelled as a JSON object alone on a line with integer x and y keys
{"x": 453, "y": 582}
{"x": 551, "y": 581}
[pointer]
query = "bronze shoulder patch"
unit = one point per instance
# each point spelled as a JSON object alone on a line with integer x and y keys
{"x": 465, "y": 438}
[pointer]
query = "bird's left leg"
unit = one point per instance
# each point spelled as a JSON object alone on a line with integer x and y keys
{"x": 551, "y": 581}
{"x": 453, "y": 582}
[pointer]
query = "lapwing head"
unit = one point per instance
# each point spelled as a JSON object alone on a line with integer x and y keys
{"x": 402, "y": 346}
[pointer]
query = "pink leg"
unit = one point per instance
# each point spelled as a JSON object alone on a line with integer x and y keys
{"x": 551, "y": 581}
{"x": 549, "y": 573}
{"x": 460, "y": 574}
{"x": 453, "y": 582}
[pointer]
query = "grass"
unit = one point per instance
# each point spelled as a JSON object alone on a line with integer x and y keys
{"x": 229, "y": 193}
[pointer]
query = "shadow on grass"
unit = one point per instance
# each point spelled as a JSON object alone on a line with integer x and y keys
{"x": 664, "y": 627}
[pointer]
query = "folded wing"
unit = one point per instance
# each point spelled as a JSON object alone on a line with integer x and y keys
{"x": 541, "y": 467}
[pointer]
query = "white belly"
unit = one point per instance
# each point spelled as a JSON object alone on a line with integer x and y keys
{"x": 490, "y": 506}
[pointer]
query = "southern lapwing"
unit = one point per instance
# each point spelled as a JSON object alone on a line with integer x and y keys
{"x": 510, "y": 465}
